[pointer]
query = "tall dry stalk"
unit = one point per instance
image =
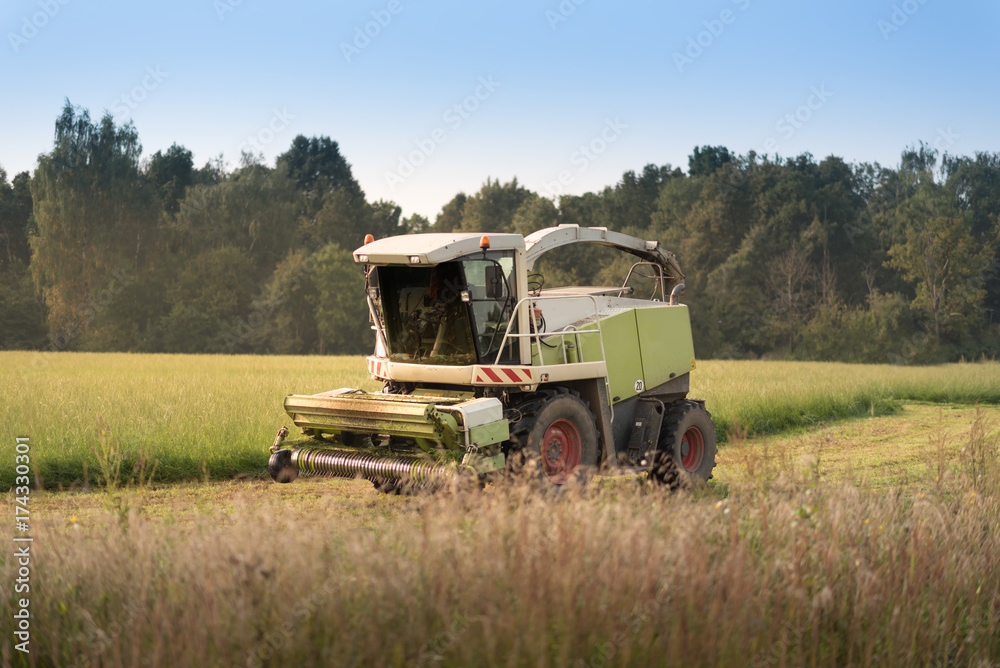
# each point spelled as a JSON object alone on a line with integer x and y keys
{"x": 804, "y": 573}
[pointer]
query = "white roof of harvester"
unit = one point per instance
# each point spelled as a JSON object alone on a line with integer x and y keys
{"x": 433, "y": 248}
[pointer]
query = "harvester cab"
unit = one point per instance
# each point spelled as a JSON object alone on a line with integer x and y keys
{"x": 485, "y": 371}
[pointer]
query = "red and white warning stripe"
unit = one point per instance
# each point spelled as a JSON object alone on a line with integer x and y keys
{"x": 503, "y": 375}
{"x": 377, "y": 367}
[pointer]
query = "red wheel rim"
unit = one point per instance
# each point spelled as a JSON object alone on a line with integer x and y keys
{"x": 692, "y": 449}
{"x": 561, "y": 451}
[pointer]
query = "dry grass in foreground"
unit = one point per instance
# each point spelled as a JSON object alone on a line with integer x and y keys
{"x": 777, "y": 567}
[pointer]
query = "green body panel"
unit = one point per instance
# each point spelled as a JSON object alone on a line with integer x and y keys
{"x": 652, "y": 345}
{"x": 665, "y": 343}
{"x": 621, "y": 352}
{"x": 549, "y": 355}
{"x": 564, "y": 347}
{"x": 488, "y": 434}
{"x": 484, "y": 463}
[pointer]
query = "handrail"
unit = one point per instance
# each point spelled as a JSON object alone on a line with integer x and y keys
{"x": 561, "y": 333}
{"x": 659, "y": 270}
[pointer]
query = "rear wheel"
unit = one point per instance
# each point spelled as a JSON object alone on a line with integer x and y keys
{"x": 687, "y": 444}
{"x": 557, "y": 434}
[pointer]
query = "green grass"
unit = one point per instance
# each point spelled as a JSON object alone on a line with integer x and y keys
{"x": 188, "y": 412}
{"x": 772, "y": 397}
{"x": 214, "y": 416}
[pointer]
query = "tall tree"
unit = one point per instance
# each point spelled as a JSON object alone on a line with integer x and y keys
{"x": 287, "y": 307}
{"x": 344, "y": 219}
{"x": 941, "y": 257}
{"x": 210, "y": 304}
{"x": 22, "y": 315}
{"x": 317, "y": 167}
{"x": 630, "y": 204}
{"x": 450, "y": 218}
{"x": 255, "y": 209}
{"x": 943, "y": 260}
{"x": 492, "y": 209}
{"x": 95, "y": 214}
{"x": 534, "y": 214}
{"x": 976, "y": 183}
{"x": 416, "y": 224}
{"x": 171, "y": 172}
{"x": 15, "y": 216}
{"x": 790, "y": 281}
{"x": 341, "y": 312}
{"x": 383, "y": 222}
{"x": 705, "y": 160}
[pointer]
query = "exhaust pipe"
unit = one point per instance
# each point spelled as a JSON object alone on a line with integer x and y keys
{"x": 676, "y": 293}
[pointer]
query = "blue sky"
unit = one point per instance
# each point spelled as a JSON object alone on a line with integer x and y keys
{"x": 565, "y": 96}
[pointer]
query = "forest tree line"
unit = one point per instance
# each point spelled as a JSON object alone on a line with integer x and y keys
{"x": 103, "y": 250}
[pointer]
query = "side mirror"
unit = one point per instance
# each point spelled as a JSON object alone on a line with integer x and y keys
{"x": 494, "y": 283}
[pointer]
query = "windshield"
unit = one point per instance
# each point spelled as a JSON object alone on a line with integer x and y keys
{"x": 455, "y": 313}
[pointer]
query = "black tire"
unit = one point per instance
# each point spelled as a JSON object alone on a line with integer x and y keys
{"x": 280, "y": 466}
{"x": 390, "y": 487}
{"x": 687, "y": 446}
{"x": 556, "y": 435}
{"x": 399, "y": 487}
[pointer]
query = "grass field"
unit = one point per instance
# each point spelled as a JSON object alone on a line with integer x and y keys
{"x": 817, "y": 548}
{"x": 214, "y": 416}
{"x": 830, "y": 538}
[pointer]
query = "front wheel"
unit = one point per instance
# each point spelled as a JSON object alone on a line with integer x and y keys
{"x": 559, "y": 434}
{"x": 687, "y": 444}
